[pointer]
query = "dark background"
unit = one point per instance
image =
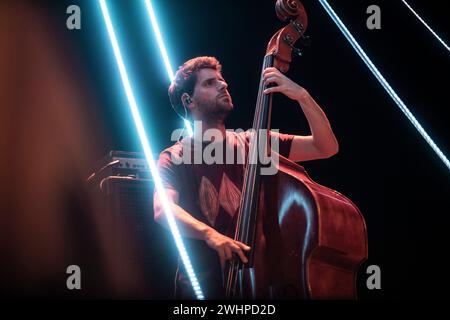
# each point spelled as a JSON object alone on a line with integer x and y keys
{"x": 383, "y": 165}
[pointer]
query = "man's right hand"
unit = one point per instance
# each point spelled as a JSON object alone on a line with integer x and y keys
{"x": 225, "y": 246}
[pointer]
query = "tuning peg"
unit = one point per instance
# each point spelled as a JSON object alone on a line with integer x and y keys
{"x": 297, "y": 51}
{"x": 305, "y": 40}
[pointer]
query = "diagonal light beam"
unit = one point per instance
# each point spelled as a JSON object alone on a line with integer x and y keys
{"x": 165, "y": 56}
{"x": 383, "y": 81}
{"x": 426, "y": 25}
{"x": 161, "y": 45}
{"x": 148, "y": 153}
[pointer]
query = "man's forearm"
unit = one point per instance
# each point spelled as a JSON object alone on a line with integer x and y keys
{"x": 323, "y": 136}
{"x": 187, "y": 224}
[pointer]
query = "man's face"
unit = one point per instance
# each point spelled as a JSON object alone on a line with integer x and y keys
{"x": 211, "y": 95}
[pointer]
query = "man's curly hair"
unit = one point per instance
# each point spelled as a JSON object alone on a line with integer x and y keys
{"x": 186, "y": 78}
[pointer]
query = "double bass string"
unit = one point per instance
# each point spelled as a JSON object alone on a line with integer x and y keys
{"x": 249, "y": 183}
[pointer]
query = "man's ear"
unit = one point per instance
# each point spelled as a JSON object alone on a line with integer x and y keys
{"x": 186, "y": 100}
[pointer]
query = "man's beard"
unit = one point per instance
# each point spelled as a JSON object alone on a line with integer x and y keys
{"x": 216, "y": 111}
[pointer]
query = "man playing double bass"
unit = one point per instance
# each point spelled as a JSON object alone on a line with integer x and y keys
{"x": 204, "y": 198}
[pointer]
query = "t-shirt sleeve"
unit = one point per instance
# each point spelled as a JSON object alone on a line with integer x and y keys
{"x": 284, "y": 142}
{"x": 169, "y": 171}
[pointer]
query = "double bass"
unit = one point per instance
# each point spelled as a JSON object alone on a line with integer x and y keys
{"x": 307, "y": 241}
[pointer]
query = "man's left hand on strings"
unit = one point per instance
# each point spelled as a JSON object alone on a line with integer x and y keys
{"x": 282, "y": 83}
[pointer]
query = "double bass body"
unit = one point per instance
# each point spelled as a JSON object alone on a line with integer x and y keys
{"x": 310, "y": 240}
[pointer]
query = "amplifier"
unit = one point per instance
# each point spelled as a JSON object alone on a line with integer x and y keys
{"x": 140, "y": 255}
{"x": 121, "y": 163}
